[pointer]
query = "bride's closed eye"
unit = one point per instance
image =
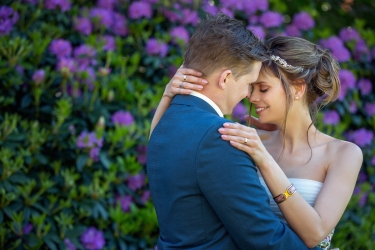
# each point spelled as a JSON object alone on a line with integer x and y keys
{"x": 263, "y": 90}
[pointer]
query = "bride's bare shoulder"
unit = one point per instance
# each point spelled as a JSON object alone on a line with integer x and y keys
{"x": 345, "y": 151}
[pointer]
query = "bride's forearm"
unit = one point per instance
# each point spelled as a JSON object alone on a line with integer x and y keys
{"x": 301, "y": 217}
{"x": 164, "y": 104}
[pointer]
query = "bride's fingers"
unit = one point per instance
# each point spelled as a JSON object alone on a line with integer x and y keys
{"x": 238, "y": 126}
{"x": 187, "y": 71}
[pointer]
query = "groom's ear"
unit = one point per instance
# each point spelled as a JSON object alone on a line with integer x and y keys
{"x": 224, "y": 78}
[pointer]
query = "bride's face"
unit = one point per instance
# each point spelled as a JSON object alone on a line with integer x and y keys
{"x": 269, "y": 99}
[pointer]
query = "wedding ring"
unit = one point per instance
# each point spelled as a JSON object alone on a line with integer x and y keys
{"x": 181, "y": 84}
{"x": 184, "y": 78}
{"x": 245, "y": 142}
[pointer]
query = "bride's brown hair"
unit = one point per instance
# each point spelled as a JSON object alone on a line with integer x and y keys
{"x": 309, "y": 64}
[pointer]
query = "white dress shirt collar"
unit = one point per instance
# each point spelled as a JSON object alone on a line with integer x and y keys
{"x": 209, "y": 101}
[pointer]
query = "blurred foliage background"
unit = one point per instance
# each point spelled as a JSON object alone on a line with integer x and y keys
{"x": 80, "y": 81}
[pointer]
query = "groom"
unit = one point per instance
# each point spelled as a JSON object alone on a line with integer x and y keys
{"x": 206, "y": 193}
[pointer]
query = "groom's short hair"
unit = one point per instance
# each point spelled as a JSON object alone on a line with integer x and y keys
{"x": 222, "y": 42}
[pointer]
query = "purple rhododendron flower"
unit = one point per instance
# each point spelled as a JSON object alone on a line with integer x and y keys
{"x": 84, "y": 56}
{"x": 261, "y": 5}
{"x": 69, "y": 245}
{"x": 232, "y": 4}
{"x": 352, "y": 107}
{"x": 271, "y": 19}
{"x": 361, "y": 51}
{"x": 64, "y": 5}
{"x": 106, "y": 4}
{"x": 86, "y": 75}
{"x": 142, "y": 154}
{"x": 104, "y": 17}
{"x": 153, "y": 47}
{"x": 370, "y": 109}
{"x": 210, "y": 9}
{"x": 136, "y": 181}
{"x": 373, "y": 160}
{"x": 361, "y": 137}
{"x": 61, "y": 48}
{"x": 8, "y": 17}
{"x": 303, "y": 21}
{"x": 119, "y": 25}
{"x": 239, "y": 111}
{"x": 125, "y": 202}
{"x": 173, "y": 14}
{"x": 349, "y": 34}
{"x": 331, "y": 117}
{"x": 39, "y": 76}
{"x": 336, "y": 46}
{"x": 258, "y": 31}
{"x": 292, "y": 30}
{"x": 189, "y": 17}
{"x": 363, "y": 200}
{"x": 180, "y": 33}
{"x": 365, "y": 86}
{"x": 89, "y": 140}
{"x": 66, "y": 65}
{"x": 227, "y": 12}
{"x": 140, "y": 9}
{"x": 145, "y": 196}
{"x": 94, "y": 154}
{"x": 83, "y": 25}
{"x": 109, "y": 43}
{"x": 93, "y": 239}
{"x": 362, "y": 177}
{"x": 27, "y": 229}
{"x": 347, "y": 80}
{"x": 122, "y": 118}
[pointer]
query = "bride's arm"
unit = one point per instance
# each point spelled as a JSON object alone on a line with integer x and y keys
{"x": 178, "y": 85}
{"x": 312, "y": 224}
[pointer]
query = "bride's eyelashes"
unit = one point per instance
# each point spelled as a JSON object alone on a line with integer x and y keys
{"x": 263, "y": 90}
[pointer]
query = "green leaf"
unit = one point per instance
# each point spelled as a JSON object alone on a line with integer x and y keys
{"x": 104, "y": 159}
{"x": 81, "y": 161}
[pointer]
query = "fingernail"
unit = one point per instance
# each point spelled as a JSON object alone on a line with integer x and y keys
{"x": 204, "y": 81}
{"x": 226, "y": 124}
{"x": 221, "y": 130}
{"x": 200, "y": 87}
{"x": 224, "y": 136}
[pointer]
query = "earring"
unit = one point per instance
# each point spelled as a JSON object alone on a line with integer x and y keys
{"x": 297, "y": 97}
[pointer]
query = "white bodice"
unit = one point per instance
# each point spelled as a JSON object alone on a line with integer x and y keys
{"x": 308, "y": 189}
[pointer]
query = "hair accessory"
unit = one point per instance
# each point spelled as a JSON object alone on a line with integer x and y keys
{"x": 289, "y": 192}
{"x": 283, "y": 62}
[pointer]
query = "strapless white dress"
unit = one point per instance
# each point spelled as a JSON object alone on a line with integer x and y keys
{"x": 309, "y": 190}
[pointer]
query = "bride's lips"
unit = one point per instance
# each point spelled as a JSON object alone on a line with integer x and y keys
{"x": 260, "y": 109}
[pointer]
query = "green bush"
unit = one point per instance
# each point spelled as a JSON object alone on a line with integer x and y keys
{"x": 79, "y": 83}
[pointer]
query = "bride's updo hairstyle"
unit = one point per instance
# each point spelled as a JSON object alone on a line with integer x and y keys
{"x": 297, "y": 61}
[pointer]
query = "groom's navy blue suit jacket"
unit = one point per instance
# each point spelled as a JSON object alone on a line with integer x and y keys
{"x": 206, "y": 193}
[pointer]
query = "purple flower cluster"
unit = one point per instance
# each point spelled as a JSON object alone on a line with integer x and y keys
{"x": 38, "y": 76}
{"x": 361, "y": 137}
{"x": 154, "y": 47}
{"x": 136, "y": 181}
{"x": 109, "y": 43}
{"x": 347, "y": 80}
{"x": 352, "y": 107}
{"x": 337, "y": 47}
{"x": 69, "y": 245}
{"x": 83, "y": 25}
{"x": 93, "y": 239}
{"x": 8, "y": 17}
{"x": 122, "y": 118}
{"x": 92, "y": 142}
{"x": 61, "y": 48}
{"x": 84, "y": 55}
{"x": 180, "y": 33}
{"x": 271, "y": 19}
{"x": 361, "y": 51}
{"x": 125, "y": 202}
{"x": 365, "y": 86}
{"x": 140, "y": 9}
{"x": 27, "y": 229}
{"x": 239, "y": 111}
{"x": 63, "y": 5}
{"x": 349, "y": 34}
{"x": 303, "y": 21}
{"x": 258, "y": 31}
{"x": 142, "y": 154}
{"x": 370, "y": 109}
{"x": 66, "y": 66}
{"x": 145, "y": 196}
{"x": 107, "y": 4}
{"x": 331, "y": 117}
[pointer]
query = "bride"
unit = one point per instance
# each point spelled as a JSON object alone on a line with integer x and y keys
{"x": 323, "y": 169}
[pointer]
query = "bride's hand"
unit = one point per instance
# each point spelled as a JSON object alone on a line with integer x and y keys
{"x": 184, "y": 81}
{"x": 247, "y": 140}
